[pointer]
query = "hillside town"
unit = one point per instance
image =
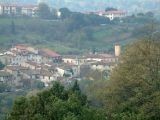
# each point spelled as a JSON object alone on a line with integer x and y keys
{"x": 24, "y": 64}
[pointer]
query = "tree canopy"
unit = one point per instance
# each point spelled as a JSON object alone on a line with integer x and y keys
{"x": 44, "y": 11}
{"x": 133, "y": 91}
{"x": 55, "y": 104}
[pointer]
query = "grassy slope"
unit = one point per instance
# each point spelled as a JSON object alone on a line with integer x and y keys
{"x": 54, "y": 35}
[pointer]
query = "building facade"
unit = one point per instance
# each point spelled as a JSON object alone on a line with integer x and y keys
{"x": 111, "y": 14}
{"x": 14, "y": 9}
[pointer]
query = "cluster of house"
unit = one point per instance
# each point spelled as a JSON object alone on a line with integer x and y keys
{"x": 21, "y": 10}
{"x": 25, "y": 63}
{"x": 112, "y": 14}
{"x": 17, "y": 9}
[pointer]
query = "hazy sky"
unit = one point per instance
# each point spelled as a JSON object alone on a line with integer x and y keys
{"x": 78, "y": 5}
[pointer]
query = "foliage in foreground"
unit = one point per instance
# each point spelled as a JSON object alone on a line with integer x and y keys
{"x": 133, "y": 91}
{"x": 55, "y": 104}
{"x": 6, "y": 101}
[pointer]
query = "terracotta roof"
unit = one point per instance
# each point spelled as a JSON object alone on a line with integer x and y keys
{"x": 48, "y": 53}
{"x": 33, "y": 63}
{"x": 15, "y": 68}
{"x": 46, "y": 73}
{"x": 21, "y": 47}
{"x": 101, "y": 56}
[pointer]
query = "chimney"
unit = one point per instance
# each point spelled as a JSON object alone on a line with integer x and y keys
{"x": 117, "y": 50}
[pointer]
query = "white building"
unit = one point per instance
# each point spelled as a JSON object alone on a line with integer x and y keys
{"x": 103, "y": 66}
{"x": 68, "y": 70}
{"x": 15, "y": 9}
{"x": 47, "y": 77}
{"x": 112, "y": 14}
{"x": 29, "y": 10}
{"x": 6, "y": 77}
{"x": 8, "y": 9}
{"x": 23, "y": 53}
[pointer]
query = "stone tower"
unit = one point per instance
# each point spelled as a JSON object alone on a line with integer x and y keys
{"x": 117, "y": 50}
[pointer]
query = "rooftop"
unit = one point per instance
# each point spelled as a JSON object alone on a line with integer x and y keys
{"x": 4, "y": 74}
{"x": 33, "y": 63}
{"x": 71, "y": 56}
{"x": 31, "y": 72}
{"x": 18, "y": 5}
{"x": 48, "y": 53}
{"x": 46, "y": 73}
{"x": 99, "y": 56}
{"x": 110, "y": 12}
{"x": 104, "y": 63}
{"x": 21, "y": 47}
{"x": 15, "y": 68}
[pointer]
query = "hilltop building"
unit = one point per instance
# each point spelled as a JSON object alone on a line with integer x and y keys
{"x": 23, "y": 10}
{"x": 111, "y": 14}
{"x": 16, "y": 9}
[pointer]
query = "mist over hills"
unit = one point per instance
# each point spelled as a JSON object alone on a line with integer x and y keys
{"x": 91, "y": 5}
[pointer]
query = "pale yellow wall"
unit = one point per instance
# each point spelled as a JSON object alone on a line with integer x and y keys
{"x": 117, "y": 50}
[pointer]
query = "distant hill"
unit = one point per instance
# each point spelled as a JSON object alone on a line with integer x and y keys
{"x": 78, "y": 33}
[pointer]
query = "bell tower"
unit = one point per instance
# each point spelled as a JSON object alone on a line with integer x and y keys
{"x": 117, "y": 50}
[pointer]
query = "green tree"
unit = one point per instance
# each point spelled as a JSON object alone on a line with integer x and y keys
{"x": 56, "y": 103}
{"x": 37, "y": 84}
{"x": 134, "y": 87}
{"x": 65, "y": 13}
{"x": 149, "y": 14}
{"x": 44, "y": 11}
